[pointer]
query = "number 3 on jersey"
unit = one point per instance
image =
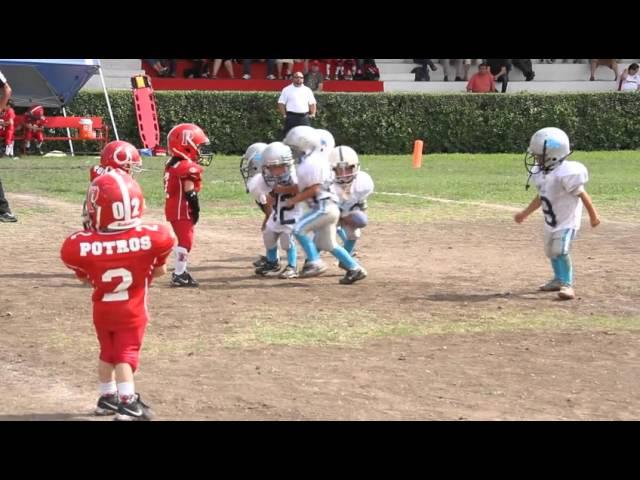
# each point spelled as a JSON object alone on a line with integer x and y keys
{"x": 547, "y": 211}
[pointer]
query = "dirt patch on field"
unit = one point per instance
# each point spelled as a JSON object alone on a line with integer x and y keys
{"x": 448, "y": 325}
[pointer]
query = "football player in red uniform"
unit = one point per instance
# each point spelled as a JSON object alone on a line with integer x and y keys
{"x": 189, "y": 148}
{"x": 34, "y": 128}
{"x": 117, "y": 155}
{"x": 8, "y": 128}
{"x": 119, "y": 257}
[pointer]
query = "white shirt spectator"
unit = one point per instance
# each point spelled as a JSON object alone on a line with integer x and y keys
{"x": 630, "y": 83}
{"x": 297, "y": 99}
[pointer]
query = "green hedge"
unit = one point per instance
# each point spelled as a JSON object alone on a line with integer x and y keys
{"x": 388, "y": 123}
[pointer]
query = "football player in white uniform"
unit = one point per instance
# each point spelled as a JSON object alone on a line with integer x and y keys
{"x": 327, "y": 142}
{"x": 352, "y": 187}
{"x": 277, "y": 171}
{"x": 250, "y": 166}
{"x": 561, "y": 194}
{"x": 315, "y": 183}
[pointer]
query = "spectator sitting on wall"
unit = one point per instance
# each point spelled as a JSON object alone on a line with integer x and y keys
{"x": 499, "y": 68}
{"x": 227, "y": 66}
{"x": 163, "y": 67}
{"x": 630, "y": 79}
{"x": 314, "y": 79}
{"x": 246, "y": 68}
{"x": 524, "y": 65}
{"x": 421, "y": 72}
{"x": 199, "y": 69}
{"x": 606, "y": 62}
{"x": 289, "y": 63}
{"x": 483, "y": 81}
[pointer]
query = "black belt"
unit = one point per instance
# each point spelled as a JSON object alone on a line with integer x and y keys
{"x": 296, "y": 114}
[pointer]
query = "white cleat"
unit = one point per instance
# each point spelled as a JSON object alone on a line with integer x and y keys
{"x": 566, "y": 293}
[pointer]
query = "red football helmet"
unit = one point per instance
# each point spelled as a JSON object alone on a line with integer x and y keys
{"x": 121, "y": 155}
{"x": 188, "y": 141}
{"x": 114, "y": 202}
{"x": 36, "y": 112}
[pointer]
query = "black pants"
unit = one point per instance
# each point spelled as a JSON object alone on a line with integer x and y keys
{"x": 4, "y": 205}
{"x": 524, "y": 65}
{"x": 294, "y": 120}
{"x": 504, "y": 78}
{"x": 246, "y": 66}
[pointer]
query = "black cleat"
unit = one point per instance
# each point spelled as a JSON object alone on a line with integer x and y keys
{"x": 260, "y": 262}
{"x": 8, "y": 217}
{"x": 135, "y": 410}
{"x": 183, "y": 280}
{"x": 268, "y": 269}
{"x": 353, "y": 276}
{"x": 107, "y": 405}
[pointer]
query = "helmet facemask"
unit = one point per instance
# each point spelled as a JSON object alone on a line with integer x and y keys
{"x": 251, "y": 162}
{"x": 205, "y": 154}
{"x": 345, "y": 173}
{"x": 277, "y": 174}
{"x": 542, "y": 161}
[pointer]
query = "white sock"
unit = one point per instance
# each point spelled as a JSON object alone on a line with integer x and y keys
{"x": 108, "y": 388}
{"x": 181, "y": 260}
{"x": 126, "y": 390}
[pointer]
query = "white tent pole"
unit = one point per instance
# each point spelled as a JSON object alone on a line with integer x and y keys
{"x": 64, "y": 112}
{"x": 106, "y": 96}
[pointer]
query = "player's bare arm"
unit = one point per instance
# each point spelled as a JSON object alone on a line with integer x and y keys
{"x": 533, "y": 206}
{"x": 268, "y": 210}
{"x": 305, "y": 195}
{"x": 594, "y": 218}
{"x": 288, "y": 189}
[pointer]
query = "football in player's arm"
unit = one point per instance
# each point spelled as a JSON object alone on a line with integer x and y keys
{"x": 277, "y": 184}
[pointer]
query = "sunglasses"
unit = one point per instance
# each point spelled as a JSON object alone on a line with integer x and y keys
{"x": 297, "y": 76}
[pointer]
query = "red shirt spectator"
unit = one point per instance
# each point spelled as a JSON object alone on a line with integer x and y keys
{"x": 483, "y": 81}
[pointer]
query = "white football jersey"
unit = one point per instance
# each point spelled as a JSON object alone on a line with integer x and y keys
{"x": 258, "y": 189}
{"x": 354, "y": 194}
{"x": 282, "y": 218}
{"x": 315, "y": 170}
{"x": 559, "y": 190}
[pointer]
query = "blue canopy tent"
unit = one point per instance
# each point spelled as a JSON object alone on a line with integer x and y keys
{"x": 51, "y": 82}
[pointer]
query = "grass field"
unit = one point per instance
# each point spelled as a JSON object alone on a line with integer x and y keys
{"x": 447, "y": 325}
{"x": 497, "y": 179}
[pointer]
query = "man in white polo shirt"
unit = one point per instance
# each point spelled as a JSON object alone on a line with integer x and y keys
{"x": 296, "y": 104}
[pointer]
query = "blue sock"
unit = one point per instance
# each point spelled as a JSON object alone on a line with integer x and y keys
{"x": 554, "y": 265}
{"x": 343, "y": 256}
{"x": 272, "y": 254}
{"x": 309, "y": 247}
{"x": 342, "y": 234}
{"x": 348, "y": 245}
{"x": 292, "y": 254}
{"x": 565, "y": 269}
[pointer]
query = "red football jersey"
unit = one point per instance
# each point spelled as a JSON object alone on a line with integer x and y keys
{"x": 119, "y": 265}
{"x": 176, "y": 206}
{"x": 7, "y": 115}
